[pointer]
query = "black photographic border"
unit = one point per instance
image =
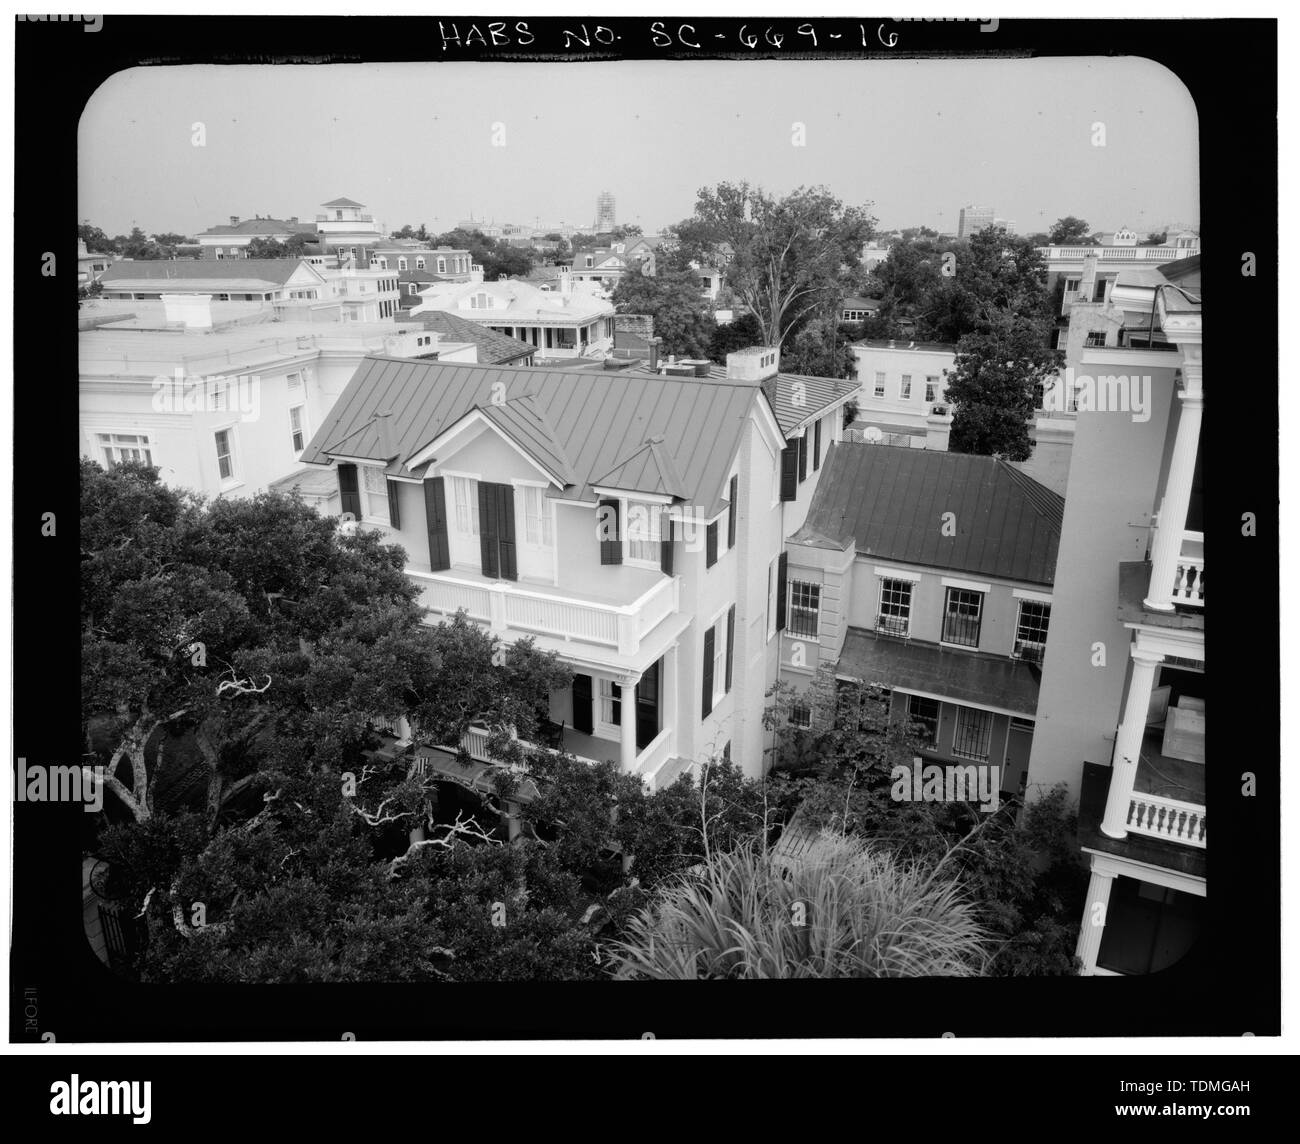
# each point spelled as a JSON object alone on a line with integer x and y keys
{"x": 1230, "y": 984}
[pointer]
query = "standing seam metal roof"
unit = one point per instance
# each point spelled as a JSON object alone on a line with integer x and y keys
{"x": 596, "y": 422}
{"x": 892, "y": 502}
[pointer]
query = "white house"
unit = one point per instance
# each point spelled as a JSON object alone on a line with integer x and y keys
{"x": 632, "y": 523}
{"x": 561, "y": 323}
{"x": 222, "y": 400}
{"x": 902, "y": 381}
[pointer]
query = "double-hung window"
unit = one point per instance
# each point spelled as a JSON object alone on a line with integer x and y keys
{"x": 973, "y": 734}
{"x": 464, "y": 498}
{"x": 375, "y": 485}
{"x": 643, "y": 531}
{"x": 225, "y": 454}
{"x": 931, "y": 389}
{"x": 297, "y": 428}
{"x": 894, "y": 615}
{"x": 905, "y": 387}
{"x": 961, "y": 617}
{"x": 925, "y": 712}
{"x": 118, "y": 447}
{"x": 537, "y": 517}
{"x": 879, "y": 390}
{"x": 1031, "y": 630}
{"x": 611, "y": 705}
{"x": 805, "y": 609}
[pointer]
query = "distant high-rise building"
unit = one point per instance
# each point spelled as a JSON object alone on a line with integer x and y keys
{"x": 605, "y": 211}
{"x": 972, "y": 219}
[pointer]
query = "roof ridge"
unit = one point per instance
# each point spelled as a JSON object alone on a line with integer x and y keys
{"x": 1039, "y": 496}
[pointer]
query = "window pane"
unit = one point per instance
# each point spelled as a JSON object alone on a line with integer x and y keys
{"x": 926, "y": 712}
{"x": 1031, "y": 630}
{"x": 974, "y": 730}
{"x": 465, "y": 494}
{"x": 643, "y": 531}
{"x": 805, "y": 609}
{"x": 895, "y": 611}
{"x": 961, "y": 620}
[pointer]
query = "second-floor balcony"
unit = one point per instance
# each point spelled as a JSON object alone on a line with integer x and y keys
{"x": 631, "y": 604}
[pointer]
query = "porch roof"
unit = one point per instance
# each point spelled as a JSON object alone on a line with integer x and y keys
{"x": 960, "y": 676}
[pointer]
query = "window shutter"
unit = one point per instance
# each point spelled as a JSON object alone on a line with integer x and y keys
{"x": 711, "y": 545}
{"x": 803, "y": 457}
{"x": 611, "y": 540}
{"x": 817, "y": 447}
{"x": 666, "y": 544}
{"x": 647, "y": 707}
{"x": 733, "y": 493}
{"x": 708, "y": 674}
{"x": 781, "y": 581}
{"x": 435, "y": 514}
{"x": 731, "y": 640}
{"x": 790, "y": 471}
{"x": 487, "y": 529}
{"x": 394, "y": 508}
{"x": 506, "y": 531}
{"x": 349, "y": 491}
{"x": 582, "y": 721}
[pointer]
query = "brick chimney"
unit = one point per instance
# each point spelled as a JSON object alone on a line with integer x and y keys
{"x": 755, "y": 363}
{"x": 234, "y": 220}
{"x": 652, "y": 345}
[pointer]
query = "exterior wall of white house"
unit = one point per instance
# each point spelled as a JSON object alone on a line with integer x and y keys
{"x": 120, "y": 393}
{"x": 896, "y": 363}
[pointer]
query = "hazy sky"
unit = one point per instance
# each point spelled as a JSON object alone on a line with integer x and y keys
{"x": 414, "y": 142}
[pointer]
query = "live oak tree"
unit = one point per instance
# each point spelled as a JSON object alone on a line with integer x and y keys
{"x": 275, "y": 642}
{"x": 230, "y": 620}
{"x": 784, "y": 258}
{"x": 682, "y": 316}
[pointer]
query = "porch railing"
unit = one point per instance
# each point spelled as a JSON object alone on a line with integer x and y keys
{"x": 1167, "y": 818}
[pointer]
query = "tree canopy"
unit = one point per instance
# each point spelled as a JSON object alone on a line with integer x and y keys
{"x": 682, "y": 316}
{"x": 1068, "y": 231}
{"x": 784, "y": 258}
{"x": 495, "y": 255}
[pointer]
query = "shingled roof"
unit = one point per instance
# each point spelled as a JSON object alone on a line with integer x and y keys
{"x": 891, "y": 502}
{"x": 669, "y": 434}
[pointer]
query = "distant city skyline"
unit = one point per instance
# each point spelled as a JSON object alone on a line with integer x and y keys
{"x": 437, "y": 143}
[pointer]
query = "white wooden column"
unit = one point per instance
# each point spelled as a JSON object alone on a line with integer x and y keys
{"x": 1094, "y": 920}
{"x": 627, "y": 721}
{"x": 668, "y": 696}
{"x": 1128, "y": 742}
{"x": 1168, "y": 544}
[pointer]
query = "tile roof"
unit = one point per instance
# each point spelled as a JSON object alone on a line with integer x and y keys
{"x": 493, "y": 348}
{"x": 597, "y": 421}
{"x": 891, "y": 501}
{"x": 274, "y": 270}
